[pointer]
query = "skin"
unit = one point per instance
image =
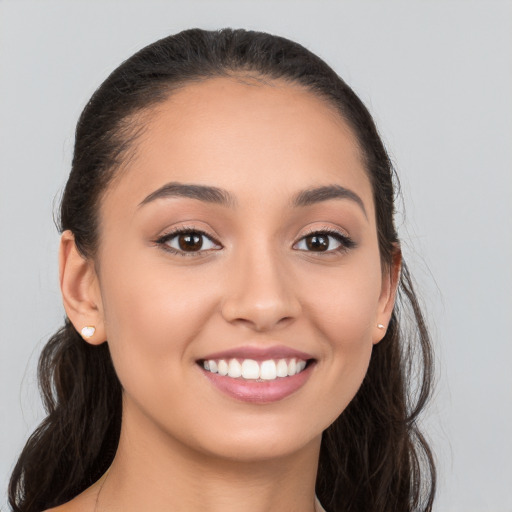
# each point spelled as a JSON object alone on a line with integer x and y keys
{"x": 185, "y": 446}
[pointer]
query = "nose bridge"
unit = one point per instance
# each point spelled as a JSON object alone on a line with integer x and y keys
{"x": 260, "y": 290}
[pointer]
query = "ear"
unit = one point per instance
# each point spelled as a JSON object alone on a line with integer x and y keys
{"x": 80, "y": 291}
{"x": 390, "y": 280}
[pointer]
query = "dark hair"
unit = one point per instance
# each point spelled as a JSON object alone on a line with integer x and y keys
{"x": 373, "y": 457}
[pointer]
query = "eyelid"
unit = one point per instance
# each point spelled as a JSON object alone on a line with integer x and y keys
{"x": 325, "y": 229}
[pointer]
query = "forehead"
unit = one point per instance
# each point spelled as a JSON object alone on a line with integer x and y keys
{"x": 245, "y": 135}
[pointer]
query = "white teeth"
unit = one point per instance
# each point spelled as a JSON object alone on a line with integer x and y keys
{"x": 268, "y": 370}
{"x": 234, "y": 369}
{"x": 282, "y": 368}
{"x": 250, "y": 369}
{"x": 222, "y": 367}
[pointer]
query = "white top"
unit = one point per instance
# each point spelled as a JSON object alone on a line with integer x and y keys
{"x": 318, "y": 506}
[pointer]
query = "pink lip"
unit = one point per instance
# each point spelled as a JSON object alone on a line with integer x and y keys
{"x": 259, "y": 353}
{"x": 256, "y": 391}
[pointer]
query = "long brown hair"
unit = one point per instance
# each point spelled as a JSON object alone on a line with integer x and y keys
{"x": 373, "y": 457}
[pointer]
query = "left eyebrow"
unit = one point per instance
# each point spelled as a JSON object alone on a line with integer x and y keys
{"x": 222, "y": 197}
{"x": 312, "y": 196}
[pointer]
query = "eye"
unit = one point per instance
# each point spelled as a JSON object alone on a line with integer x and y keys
{"x": 325, "y": 241}
{"x": 187, "y": 242}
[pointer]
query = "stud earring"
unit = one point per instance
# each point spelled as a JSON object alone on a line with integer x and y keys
{"x": 88, "y": 331}
{"x": 380, "y": 326}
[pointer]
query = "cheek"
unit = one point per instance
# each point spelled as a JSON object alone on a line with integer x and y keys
{"x": 343, "y": 310}
{"x": 345, "y": 304}
{"x": 151, "y": 317}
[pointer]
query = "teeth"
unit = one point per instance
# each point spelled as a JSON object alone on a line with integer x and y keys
{"x": 268, "y": 370}
{"x": 282, "y": 368}
{"x": 250, "y": 369}
{"x": 222, "y": 367}
{"x": 234, "y": 369}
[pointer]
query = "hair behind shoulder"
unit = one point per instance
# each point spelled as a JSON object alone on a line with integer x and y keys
{"x": 373, "y": 457}
{"x": 77, "y": 441}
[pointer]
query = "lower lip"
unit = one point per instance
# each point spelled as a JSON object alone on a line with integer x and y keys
{"x": 260, "y": 392}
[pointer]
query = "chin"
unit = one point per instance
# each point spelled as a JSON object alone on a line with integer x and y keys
{"x": 252, "y": 447}
{"x": 261, "y": 436}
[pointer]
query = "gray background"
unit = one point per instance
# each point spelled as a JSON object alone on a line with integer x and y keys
{"x": 437, "y": 76}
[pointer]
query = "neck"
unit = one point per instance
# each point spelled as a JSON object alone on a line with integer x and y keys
{"x": 161, "y": 473}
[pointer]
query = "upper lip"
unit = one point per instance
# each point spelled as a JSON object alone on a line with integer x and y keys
{"x": 259, "y": 353}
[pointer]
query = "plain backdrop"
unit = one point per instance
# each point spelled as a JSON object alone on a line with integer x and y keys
{"x": 436, "y": 75}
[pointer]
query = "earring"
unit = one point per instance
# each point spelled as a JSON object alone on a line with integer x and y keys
{"x": 88, "y": 331}
{"x": 380, "y": 326}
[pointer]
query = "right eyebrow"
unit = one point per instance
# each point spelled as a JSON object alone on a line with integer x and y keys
{"x": 201, "y": 192}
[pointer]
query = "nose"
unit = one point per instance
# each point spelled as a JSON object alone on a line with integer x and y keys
{"x": 260, "y": 293}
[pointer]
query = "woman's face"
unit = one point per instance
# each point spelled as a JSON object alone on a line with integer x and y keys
{"x": 274, "y": 268}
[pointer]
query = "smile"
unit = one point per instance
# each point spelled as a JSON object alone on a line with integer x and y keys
{"x": 250, "y": 369}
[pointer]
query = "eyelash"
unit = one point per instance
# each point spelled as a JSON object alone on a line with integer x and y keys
{"x": 346, "y": 243}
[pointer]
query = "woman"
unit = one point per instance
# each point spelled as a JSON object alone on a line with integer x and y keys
{"x": 233, "y": 284}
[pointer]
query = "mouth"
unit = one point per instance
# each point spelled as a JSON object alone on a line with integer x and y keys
{"x": 258, "y": 376}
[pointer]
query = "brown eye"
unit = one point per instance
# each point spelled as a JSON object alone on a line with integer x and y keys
{"x": 190, "y": 242}
{"x": 317, "y": 242}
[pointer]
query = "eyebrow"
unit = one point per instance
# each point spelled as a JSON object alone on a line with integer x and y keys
{"x": 312, "y": 196}
{"x": 203, "y": 193}
{"x": 222, "y": 197}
